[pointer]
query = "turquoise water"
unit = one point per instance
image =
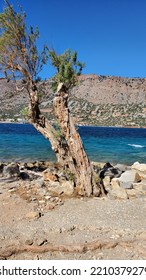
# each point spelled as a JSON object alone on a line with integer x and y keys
{"x": 21, "y": 142}
{"x": 115, "y": 145}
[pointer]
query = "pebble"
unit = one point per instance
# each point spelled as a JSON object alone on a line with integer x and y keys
{"x": 29, "y": 242}
{"x": 41, "y": 201}
{"x": 33, "y": 215}
{"x": 47, "y": 197}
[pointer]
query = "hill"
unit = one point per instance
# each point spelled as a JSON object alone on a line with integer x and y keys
{"x": 96, "y": 100}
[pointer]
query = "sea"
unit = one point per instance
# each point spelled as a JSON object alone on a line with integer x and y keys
{"x": 21, "y": 142}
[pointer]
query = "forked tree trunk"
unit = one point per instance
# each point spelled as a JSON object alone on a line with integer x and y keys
{"x": 42, "y": 125}
{"x": 69, "y": 150}
{"x": 82, "y": 168}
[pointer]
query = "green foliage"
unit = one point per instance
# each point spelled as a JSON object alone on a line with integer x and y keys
{"x": 18, "y": 45}
{"x": 67, "y": 68}
{"x": 58, "y": 133}
{"x": 69, "y": 175}
{"x": 24, "y": 112}
{"x": 96, "y": 178}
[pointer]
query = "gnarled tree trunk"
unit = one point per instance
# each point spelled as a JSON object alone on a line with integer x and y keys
{"x": 42, "y": 125}
{"x": 81, "y": 168}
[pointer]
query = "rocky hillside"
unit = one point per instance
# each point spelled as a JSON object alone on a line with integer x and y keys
{"x": 96, "y": 100}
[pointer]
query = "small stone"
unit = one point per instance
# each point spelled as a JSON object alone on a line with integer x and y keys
{"x": 49, "y": 207}
{"x": 41, "y": 241}
{"x": 29, "y": 242}
{"x": 33, "y": 215}
{"x": 29, "y": 165}
{"x": 42, "y": 201}
{"x": 47, "y": 197}
{"x": 12, "y": 190}
{"x": 49, "y": 176}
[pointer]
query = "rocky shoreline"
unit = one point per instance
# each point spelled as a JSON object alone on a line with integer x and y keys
{"x": 118, "y": 181}
{"x": 41, "y": 218}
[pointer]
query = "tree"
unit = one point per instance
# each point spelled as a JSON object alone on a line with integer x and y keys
{"x": 20, "y": 58}
{"x": 67, "y": 69}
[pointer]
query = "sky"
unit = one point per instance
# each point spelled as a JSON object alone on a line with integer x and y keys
{"x": 108, "y": 35}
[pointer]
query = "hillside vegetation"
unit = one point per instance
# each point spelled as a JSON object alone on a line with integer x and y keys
{"x": 96, "y": 100}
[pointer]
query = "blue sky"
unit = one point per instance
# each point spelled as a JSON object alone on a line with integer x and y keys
{"x": 109, "y": 35}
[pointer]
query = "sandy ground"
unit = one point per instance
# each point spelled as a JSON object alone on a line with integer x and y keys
{"x": 95, "y": 228}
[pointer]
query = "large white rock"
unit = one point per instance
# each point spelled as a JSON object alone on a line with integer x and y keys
{"x": 128, "y": 178}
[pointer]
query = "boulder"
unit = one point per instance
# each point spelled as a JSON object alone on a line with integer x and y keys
{"x": 49, "y": 176}
{"x": 24, "y": 176}
{"x": 127, "y": 179}
{"x": 133, "y": 193}
{"x": 64, "y": 188}
{"x": 11, "y": 170}
{"x": 140, "y": 186}
{"x": 116, "y": 191}
{"x": 121, "y": 167}
{"x": 140, "y": 168}
{"x": 97, "y": 166}
{"x": 118, "y": 194}
{"x": 109, "y": 170}
{"x": 1, "y": 167}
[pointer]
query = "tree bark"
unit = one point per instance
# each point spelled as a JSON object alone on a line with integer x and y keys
{"x": 81, "y": 168}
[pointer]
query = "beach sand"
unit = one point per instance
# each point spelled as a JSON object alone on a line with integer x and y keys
{"x": 101, "y": 228}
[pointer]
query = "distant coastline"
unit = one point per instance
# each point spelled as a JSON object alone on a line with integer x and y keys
{"x": 77, "y": 124}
